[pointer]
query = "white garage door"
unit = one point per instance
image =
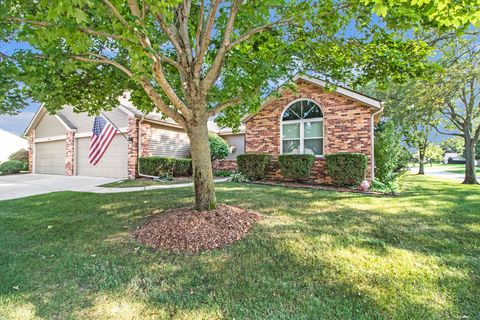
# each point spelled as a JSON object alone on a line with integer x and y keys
{"x": 114, "y": 163}
{"x": 50, "y": 157}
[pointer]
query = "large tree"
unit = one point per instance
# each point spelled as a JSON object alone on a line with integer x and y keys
{"x": 194, "y": 59}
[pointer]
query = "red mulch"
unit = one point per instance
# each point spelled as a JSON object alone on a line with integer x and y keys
{"x": 191, "y": 231}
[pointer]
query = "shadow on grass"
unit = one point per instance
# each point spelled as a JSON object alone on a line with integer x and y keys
{"x": 316, "y": 255}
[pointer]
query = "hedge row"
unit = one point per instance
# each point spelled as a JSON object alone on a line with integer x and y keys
{"x": 296, "y": 166}
{"x": 156, "y": 166}
{"x": 346, "y": 169}
{"x": 13, "y": 166}
{"x": 254, "y": 165}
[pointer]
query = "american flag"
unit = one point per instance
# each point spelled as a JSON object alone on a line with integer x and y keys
{"x": 103, "y": 134}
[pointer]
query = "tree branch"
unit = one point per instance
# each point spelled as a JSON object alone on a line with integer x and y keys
{"x": 447, "y": 133}
{"x": 206, "y": 35}
{"x": 222, "y": 106}
{"x": 256, "y": 30}
{"x": 214, "y": 71}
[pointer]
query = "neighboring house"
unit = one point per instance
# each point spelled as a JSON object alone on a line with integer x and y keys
{"x": 10, "y": 143}
{"x": 452, "y": 155}
{"x": 310, "y": 120}
{"x": 59, "y": 143}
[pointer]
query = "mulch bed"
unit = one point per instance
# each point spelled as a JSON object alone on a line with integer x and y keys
{"x": 316, "y": 187}
{"x": 188, "y": 230}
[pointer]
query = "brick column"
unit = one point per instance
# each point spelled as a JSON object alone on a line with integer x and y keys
{"x": 132, "y": 148}
{"x": 69, "y": 153}
{"x": 145, "y": 135}
{"x": 31, "y": 142}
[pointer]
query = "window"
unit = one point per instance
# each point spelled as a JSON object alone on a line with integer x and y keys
{"x": 302, "y": 129}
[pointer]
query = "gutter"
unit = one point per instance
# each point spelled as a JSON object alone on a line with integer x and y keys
{"x": 373, "y": 138}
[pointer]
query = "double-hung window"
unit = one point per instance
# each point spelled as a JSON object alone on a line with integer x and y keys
{"x": 302, "y": 129}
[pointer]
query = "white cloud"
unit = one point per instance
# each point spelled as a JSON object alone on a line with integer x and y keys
{"x": 16, "y": 124}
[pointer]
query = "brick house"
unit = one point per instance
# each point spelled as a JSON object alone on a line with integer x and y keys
{"x": 310, "y": 120}
{"x": 315, "y": 121}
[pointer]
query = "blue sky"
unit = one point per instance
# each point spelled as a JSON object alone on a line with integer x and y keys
{"x": 17, "y": 124}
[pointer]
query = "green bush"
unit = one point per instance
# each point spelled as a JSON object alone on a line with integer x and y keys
{"x": 219, "y": 148}
{"x": 296, "y": 166}
{"x": 12, "y": 166}
{"x": 155, "y": 166}
{"x": 254, "y": 165}
{"x": 346, "y": 169}
{"x": 183, "y": 167}
{"x": 224, "y": 173}
{"x": 238, "y": 177}
{"x": 391, "y": 157}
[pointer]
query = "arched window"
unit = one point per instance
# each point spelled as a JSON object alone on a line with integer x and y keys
{"x": 302, "y": 129}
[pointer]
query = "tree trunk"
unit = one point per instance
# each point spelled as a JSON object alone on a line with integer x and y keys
{"x": 470, "y": 174}
{"x": 202, "y": 167}
{"x": 421, "y": 161}
{"x": 421, "y": 169}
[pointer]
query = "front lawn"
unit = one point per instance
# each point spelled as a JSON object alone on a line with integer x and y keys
{"x": 317, "y": 255}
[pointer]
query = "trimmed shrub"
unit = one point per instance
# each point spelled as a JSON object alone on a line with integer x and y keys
{"x": 296, "y": 166}
{"x": 254, "y": 165}
{"x": 224, "y": 173}
{"x": 346, "y": 169}
{"x": 183, "y": 167}
{"x": 12, "y": 166}
{"x": 155, "y": 166}
{"x": 219, "y": 148}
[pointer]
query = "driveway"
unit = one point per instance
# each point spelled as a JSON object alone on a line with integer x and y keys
{"x": 439, "y": 173}
{"x": 23, "y": 185}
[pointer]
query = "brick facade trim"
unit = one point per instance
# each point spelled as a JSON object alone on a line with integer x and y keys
{"x": 132, "y": 148}
{"x": 31, "y": 146}
{"x": 69, "y": 153}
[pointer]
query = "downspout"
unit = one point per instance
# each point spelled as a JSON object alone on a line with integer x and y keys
{"x": 139, "y": 146}
{"x": 373, "y": 139}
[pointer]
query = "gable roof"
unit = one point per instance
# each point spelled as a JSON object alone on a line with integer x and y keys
{"x": 39, "y": 115}
{"x": 371, "y": 102}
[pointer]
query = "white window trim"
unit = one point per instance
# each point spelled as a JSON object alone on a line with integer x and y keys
{"x": 302, "y": 122}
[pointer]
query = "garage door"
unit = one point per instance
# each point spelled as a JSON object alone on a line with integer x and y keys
{"x": 50, "y": 157}
{"x": 114, "y": 162}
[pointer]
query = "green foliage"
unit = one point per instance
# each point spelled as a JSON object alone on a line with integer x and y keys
{"x": 346, "y": 169}
{"x": 219, "y": 148}
{"x": 183, "y": 167}
{"x": 155, "y": 166}
{"x": 296, "y": 166}
{"x": 238, "y": 177}
{"x": 12, "y": 166}
{"x": 224, "y": 173}
{"x": 389, "y": 187}
{"x": 254, "y": 165}
{"x": 20, "y": 155}
{"x": 453, "y": 145}
{"x": 165, "y": 167}
{"x": 434, "y": 153}
{"x": 391, "y": 158}
{"x": 165, "y": 176}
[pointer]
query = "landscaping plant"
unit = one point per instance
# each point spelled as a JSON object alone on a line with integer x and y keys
{"x": 12, "y": 166}
{"x": 219, "y": 148}
{"x": 296, "y": 166}
{"x": 347, "y": 169}
{"x": 254, "y": 166}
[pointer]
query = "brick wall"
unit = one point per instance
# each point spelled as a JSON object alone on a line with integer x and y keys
{"x": 226, "y": 164}
{"x": 132, "y": 148}
{"x": 31, "y": 141}
{"x": 347, "y": 127}
{"x": 69, "y": 152}
{"x": 145, "y": 135}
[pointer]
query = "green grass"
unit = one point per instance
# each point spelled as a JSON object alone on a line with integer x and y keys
{"x": 144, "y": 183}
{"x": 317, "y": 255}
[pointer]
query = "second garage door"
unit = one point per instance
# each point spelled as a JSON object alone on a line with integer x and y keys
{"x": 114, "y": 163}
{"x": 50, "y": 157}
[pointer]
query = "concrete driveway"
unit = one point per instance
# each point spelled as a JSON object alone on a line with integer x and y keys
{"x": 23, "y": 185}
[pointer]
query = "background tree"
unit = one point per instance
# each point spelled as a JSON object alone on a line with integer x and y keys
{"x": 455, "y": 94}
{"x": 434, "y": 153}
{"x": 453, "y": 145}
{"x": 191, "y": 60}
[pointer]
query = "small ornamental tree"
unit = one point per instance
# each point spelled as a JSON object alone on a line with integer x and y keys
{"x": 194, "y": 59}
{"x": 219, "y": 148}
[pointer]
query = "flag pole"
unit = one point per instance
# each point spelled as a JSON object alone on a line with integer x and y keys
{"x": 126, "y": 138}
